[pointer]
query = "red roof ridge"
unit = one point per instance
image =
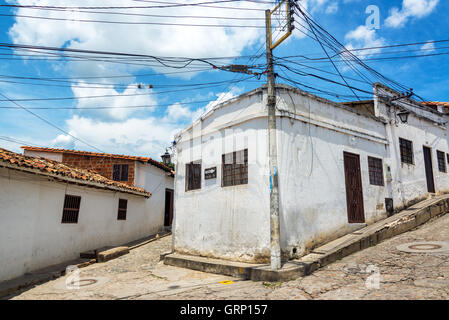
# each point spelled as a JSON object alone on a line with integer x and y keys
{"x": 100, "y": 154}
{"x": 63, "y": 171}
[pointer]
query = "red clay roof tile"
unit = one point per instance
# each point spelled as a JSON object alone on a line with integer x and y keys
{"x": 21, "y": 162}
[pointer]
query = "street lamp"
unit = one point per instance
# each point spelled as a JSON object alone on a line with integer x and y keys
{"x": 403, "y": 115}
{"x": 166, "y": 158}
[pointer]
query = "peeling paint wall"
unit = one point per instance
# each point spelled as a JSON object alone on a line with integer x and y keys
{"x": 313, "y": 134}
{"x": 31, "y": 231}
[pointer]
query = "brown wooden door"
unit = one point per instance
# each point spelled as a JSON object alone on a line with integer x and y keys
{"x": 429, "y": 170}
{"x": 168, "y": 207}
{"x": 354, "y": 192}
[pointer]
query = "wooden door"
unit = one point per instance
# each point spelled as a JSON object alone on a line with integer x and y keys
{"x": 168, "y": 207}
{"x": 429, "y": 170}
{"x": 354, "y": 192}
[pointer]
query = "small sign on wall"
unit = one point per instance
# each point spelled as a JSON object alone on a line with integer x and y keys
{"x": 210, "y": 173}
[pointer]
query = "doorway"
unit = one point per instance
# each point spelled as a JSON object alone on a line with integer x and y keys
{"x": 429, "y": 170}
{"x": 168, "y": 218}
{"x": 354, "y": 190}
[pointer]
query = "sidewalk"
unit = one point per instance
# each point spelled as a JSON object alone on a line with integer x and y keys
{"x": 55, "y": 271}
{"x": 371, "y": 235}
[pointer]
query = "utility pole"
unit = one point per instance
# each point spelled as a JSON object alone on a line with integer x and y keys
{"x": 275, "y": 233}
{"x": 275, "y": 241}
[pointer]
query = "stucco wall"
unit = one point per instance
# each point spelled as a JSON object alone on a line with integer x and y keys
{"x": 227, "y": 222}
{"x": 313, "y": 134}
{"x": 155, "y": 181}
{"x": 312, "y": 138}
{"x": 31, "y": 231}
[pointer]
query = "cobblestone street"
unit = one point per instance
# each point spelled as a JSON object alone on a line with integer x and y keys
{"x": 140, "y": 275}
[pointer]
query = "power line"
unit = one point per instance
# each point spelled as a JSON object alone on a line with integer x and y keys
{"x": 50, "y": 123}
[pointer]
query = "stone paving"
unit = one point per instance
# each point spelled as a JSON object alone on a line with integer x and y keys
{"x": 140, "y": 275}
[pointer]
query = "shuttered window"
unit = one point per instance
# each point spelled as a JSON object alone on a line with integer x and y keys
{"x": 406, "y": 148}
{"x": 193, "y": 175}
{"x": 376, "y": 175}
{"x": 235, "y": 168}
{"x": 441, "y": 161}
{"x": 71, "y": 209}
{"x": 122, "y": 207}
{"x": 120, "y": 172}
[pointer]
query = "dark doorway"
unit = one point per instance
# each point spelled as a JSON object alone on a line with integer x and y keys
{"x": 354, "y": 192}
{"x": 429, "y": 170}
{"x": 168, "y": 207}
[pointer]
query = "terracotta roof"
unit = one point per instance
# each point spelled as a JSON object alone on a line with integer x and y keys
{"x": 64, "y": 172}
{"x": 104, "y": 155}
{"x": 435, "y": 103}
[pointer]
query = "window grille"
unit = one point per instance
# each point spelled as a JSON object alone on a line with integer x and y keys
{"x": 376, "y": 175}
{"x": 235, "y": 168}
{"x": 122, "y": 207}
{"x": 71, "y": 209}
{"x": 406, "y": 148}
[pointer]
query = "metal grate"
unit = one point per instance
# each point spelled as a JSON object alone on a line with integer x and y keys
{"x": 122, "y": 207}
{"x": 235, "y": 168}
{"x": 441, "y": 161}
{"x": 120, "y": 172}
{"x": 376, "y": 175}
{"x": 71, "y": 209}
{"x": 406, "y": 148}
{"x": 193, "y": 175}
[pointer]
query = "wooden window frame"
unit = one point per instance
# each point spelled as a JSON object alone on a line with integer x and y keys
{"x": 71, "y": 209}
{"x": 122, "y": 209}
{"x": 122, "y": 174}
{"x": 441, "y": 161}
{"x": 238, "y": 172}
{"x": 406, "y": 151}
{"x": 376, "y": 172}
{"x": 193, "y": 175}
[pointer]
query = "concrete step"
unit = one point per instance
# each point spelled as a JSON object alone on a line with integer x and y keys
{"x": 363, "y": 238}
{"x": 257, "y": 272}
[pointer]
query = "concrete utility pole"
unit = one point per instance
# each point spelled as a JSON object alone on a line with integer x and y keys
{"x": 275, "y": 241}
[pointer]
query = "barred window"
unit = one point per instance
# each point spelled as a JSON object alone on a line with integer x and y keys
{"x": 122, "y": 207}
{"x": 376, "y": 174}
{"x": 193, "y": 175}
{"x": 71, "y": 209}
{"x": 441, "y": 161}
{"x": 120, "y": 172}
{"x": 235, "y": 168}
{"x": 406, "y": 148}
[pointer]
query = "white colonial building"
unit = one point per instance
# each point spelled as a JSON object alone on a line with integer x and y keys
{"x": 50, "y": 212}
{"x": 341, "y": 166}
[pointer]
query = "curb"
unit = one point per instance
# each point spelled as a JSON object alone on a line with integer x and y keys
{"x": 374, "y": 234}
{"x": 366, "y": 237}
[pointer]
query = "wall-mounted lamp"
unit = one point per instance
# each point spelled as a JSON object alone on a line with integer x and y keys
{"x": 166, "y": 158}
{"x": 403, "y": 115}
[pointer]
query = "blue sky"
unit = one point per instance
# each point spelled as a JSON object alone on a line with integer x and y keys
{"x": 171, "y": 103}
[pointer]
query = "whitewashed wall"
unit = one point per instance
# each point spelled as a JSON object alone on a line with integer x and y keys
{"x": 227, "y": 222}
{"x": 31, "y": 232}
{"x": 313, "y": 134}
{"x": 155, "y": 181}
{"x": 424, "y": 128}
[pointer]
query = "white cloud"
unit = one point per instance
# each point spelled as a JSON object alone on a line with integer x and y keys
{"x": 156, "y": 40}
{"x": 332, "y": 8}
{"x": 140, "y": 136}
{"x": 64, "y": 141}
{"x": 410, "y": 9}
{"x": 429, "y": 47}
{"x": 141, "y": 97}
{"x": 362, "y": 37}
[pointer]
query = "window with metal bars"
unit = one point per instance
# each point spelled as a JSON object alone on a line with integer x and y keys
{"x": 122, "y": 207}
{"x": 234, "y": 168}
{"x": 441, "y": 161}
{"x": 71, "y": 209}
{"x": 193, "y": 175}
{"x": 376, "y": 174}
{"x": 406, "y": 148}
{"x": 120, "y": 172}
